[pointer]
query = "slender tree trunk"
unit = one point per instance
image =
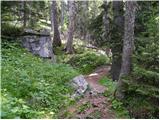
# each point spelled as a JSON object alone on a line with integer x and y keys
{"x": 117, "y": 36}
{"x": 21, "y": 11}
{"x": 30, "y": 17}
{"x": 95, "y": 6}
{"x": 84, "y": 18}
{"x": 24, "y": 14}
{"x": 54, "y": 24}
{"x": 128, "y": 42}
{"x": 62, "y": 14}
{"x": 72, "y": 15}
{"x": 106, "y": 19}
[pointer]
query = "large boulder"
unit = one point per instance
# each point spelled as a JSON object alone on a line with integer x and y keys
{"x": 80, "y": 85}
{"x": 38, "y": 43}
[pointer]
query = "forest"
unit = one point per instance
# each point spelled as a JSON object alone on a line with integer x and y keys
{"x": 71, "y": 59}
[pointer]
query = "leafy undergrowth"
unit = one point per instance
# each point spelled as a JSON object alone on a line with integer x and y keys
{"x": 88, "y": 61}
{"x": 117, "y": 106}
{"x": 140, "y": 106}
{"x": 84, "y": 60}
{"x": 61, "y": 56}
{"x": 142, "y": 93}
{"x": 83, "y": 107}
{"x": 32, "y": 88}
{"x": 9, "y": 29}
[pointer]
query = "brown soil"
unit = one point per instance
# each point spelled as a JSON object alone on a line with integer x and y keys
{"x": 96, "y": 105}
{"x": 94, "y": 77}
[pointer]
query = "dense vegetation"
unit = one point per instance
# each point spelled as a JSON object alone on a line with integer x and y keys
{"x": 142, "y": 85}
{"x": 143, "y": 92}
{"x": 86, "y": 35}
{"x": 87, "y": 61}
{"x": 31, "y": 87}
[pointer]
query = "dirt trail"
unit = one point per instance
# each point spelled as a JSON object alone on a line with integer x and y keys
{"x": 94, "y": 77}
{"x": 93, "y": 105}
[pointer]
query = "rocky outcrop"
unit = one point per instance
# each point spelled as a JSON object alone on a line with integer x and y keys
{"x": 80, "y": 85}
{"x": 38, "y": 43}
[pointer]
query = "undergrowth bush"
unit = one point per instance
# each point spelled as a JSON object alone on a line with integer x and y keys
{"x": 117, "y": 106}
{"x": 141, "y": 106}
{"x": 142, "y": 94}
{"x": 88, "y": 61}
{"x": 10, "y": 30}
{"x": 61, "y": 56}
{"x": 32, "y": 88}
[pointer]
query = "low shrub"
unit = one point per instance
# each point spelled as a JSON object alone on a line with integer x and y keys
{"x": 140, "y": 106}
{"x": 117, "y": 106}
{"x": 31, "y": 87}
{"x": 10, "y": 30}
{"x": 142, "y": 93}
{"x": 88, "y": 61}
{"x": 146, "y": 76}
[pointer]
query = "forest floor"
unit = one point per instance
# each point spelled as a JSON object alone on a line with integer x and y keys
{"x": 93, "y": 104}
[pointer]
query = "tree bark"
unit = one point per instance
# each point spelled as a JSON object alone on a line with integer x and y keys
{"x": 106, "y": 19}
{"x": 24, "y": 13}
{"x": 116, "y": 37}
{"x": 62, "y": 14}
{"x": 128, "y": 43}
{"x": 72, "y": 15}
{"x": 84, "y": 18}
{"x": 30, "y": 16}
{"x": 54, "y": 24}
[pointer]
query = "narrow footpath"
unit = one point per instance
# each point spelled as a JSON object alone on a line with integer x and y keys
{"x": 93, "y": 105}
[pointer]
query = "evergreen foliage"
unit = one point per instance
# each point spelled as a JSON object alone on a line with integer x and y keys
{"x": 143, "y": 83}
{"x": 32, "y": 87}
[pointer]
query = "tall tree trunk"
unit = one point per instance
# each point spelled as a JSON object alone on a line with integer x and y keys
{"x": 21, "y": 6}
{"x": 116, "y": 37}
{"x": 106, "y": 19}
{"x": 128, "y": 43}
{"x": 30, "y": 16}
{"x": 95, "y": 6}
{"x": 72, "y": 15}
{"x": 84, "y": 18}
{"x": 62, "y": 14}
{"x": 24, "y": 13}
{"x": 54, "y": 24}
